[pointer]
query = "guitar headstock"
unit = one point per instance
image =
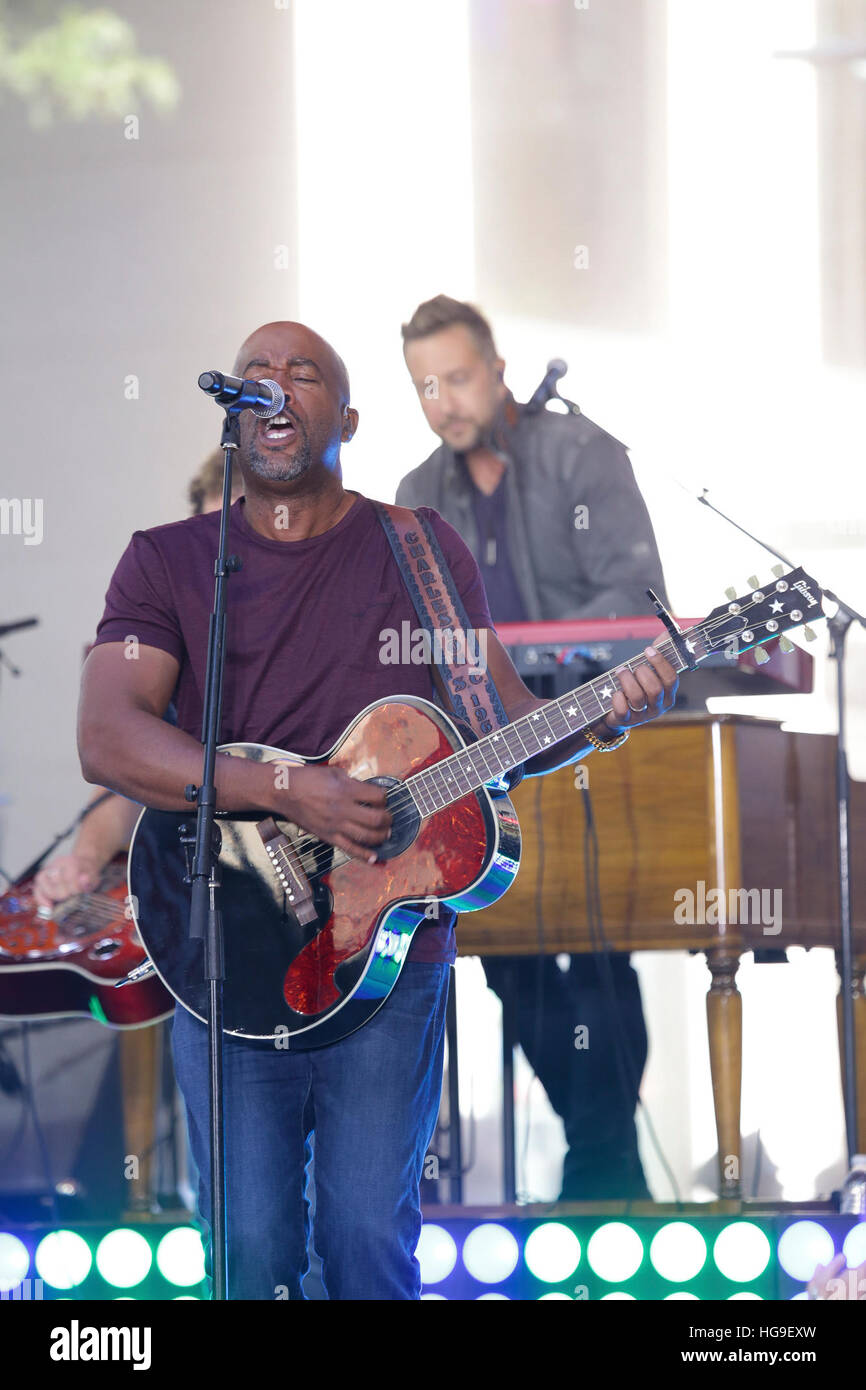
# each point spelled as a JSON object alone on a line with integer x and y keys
{"x": 764, "y": 613}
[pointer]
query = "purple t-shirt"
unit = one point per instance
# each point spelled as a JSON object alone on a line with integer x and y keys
{"x": 303, "y": 631}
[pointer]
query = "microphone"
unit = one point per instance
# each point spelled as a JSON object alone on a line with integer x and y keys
{"x": 547, "y": 390}
{"x": 263, "y": 398}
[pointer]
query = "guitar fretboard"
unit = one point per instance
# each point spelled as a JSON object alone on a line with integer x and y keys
{"x": 515, "y": 743}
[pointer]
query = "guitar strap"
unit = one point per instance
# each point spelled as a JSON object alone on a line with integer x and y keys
{"x": 458, "y": 650}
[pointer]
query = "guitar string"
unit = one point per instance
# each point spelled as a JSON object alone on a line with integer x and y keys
{"x": 311, "y": 846}
{"x": 408, "y": 802}
{"x": 300, "y": 843}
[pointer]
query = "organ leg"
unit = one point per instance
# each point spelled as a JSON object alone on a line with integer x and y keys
{"x": 725, "y": 1028}
{"x": 140, "y": 1065}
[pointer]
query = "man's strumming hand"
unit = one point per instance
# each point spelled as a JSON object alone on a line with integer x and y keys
{"x": 345, "y": 812}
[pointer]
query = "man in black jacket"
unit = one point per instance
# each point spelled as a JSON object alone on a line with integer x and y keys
{"x": 549, "y": 506}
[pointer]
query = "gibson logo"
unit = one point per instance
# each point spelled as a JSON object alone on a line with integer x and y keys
{"x": 804, "y": 590}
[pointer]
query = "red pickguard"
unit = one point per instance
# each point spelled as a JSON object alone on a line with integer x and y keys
{"x": 393, "y": 740}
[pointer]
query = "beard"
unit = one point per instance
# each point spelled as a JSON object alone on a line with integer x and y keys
{"x": 275, "y": 469}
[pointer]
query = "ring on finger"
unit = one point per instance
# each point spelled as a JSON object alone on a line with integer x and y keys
{"x": 641, "y": 710}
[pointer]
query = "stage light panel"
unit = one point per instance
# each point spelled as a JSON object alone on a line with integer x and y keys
{"x": 741, "y": 1251}
{"x": 124, "y": 1258}
{"x": 803, "y": 1246}
{"x": 180, "y": 1256}
{"x": 436, "y": 1253}
{"x": 678, "y": 1252}
{"x": 14, "y": 1261}
{"x": 552, "y": 1252}
{"x": 490, "y": 1253}
{"x": 63, "y": 1259}
{"x": 854, "y": 1245}
{"x": 615, "y": 1252}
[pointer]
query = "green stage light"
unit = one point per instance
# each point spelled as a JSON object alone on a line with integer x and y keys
{"x": 615, "y": 1252}
{"x": 552, "y": 1252}
{"x": 490, "y": 1253}
{"x": 63, "y": 1259}
{"x": 745, "y": 1294}
{"x": 180, "y": 1256}
{"x": 619, "y": 1294}
{"x": 546, "y": 1297}
{"x": 678, "y": 1251}
{"x": 680, "y": 1296}
{"x": 14, "y": 1261}
{"x": 741, "y": 1251}
{"x": 436, "y": 1253}
{"x": 123, "y": 1258}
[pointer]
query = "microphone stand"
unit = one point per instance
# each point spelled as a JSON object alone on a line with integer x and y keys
{"x": 839, "y": 626}
{"x": 205, "y": 921}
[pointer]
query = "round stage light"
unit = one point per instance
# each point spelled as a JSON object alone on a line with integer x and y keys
{"x": 431, "y": 1297}
{"x": 490, "y": 1253}
{"x": 680, "y": 1296}
{"x": 486, "y": 1297}
{"x": 741, "y": 1251}
{"x": 180, "y": 1256}
{"x": 746, "y": 1294}
{"x": 436, "y": 1253}
{"x": 678, "y": 1251}
{"x": 615, "y": 1251}
{"x": 546, "y": 1297}
{"x": 802, "y": 1246}
{"x": 854, "y": 1245}
{"x": 124, "y": 1258}
{"x": 552, "y": 1252}
{"x": 620, "y": 1294}
{"x": 14, "y": 1261}
{"x": 63, "y": 1259}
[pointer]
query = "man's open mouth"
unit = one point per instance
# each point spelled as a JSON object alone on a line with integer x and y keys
{"x": 278, "y": 430}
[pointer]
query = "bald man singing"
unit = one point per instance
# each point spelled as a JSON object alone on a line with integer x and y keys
{"x": 318, "y": 585}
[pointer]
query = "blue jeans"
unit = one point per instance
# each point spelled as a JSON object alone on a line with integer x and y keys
{"x": 372, "y": 1100}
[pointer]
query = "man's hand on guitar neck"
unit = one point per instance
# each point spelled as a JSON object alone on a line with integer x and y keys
{"x": 645, "y": 694}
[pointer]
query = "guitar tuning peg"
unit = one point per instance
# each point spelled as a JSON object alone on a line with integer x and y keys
{"x": 730, "y": 593}
{"x": 761, "y": 656}
{"x": 778, "y": 571}
{"x": 785, "y": 645}
{"x": 809, "y": 634}
{"x": 754, "y": 582}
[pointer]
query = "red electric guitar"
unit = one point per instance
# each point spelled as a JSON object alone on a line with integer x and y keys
{"x": 67, "y": 960}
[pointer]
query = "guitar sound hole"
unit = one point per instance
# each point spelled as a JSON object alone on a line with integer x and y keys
{"x": 405, "y": 820}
